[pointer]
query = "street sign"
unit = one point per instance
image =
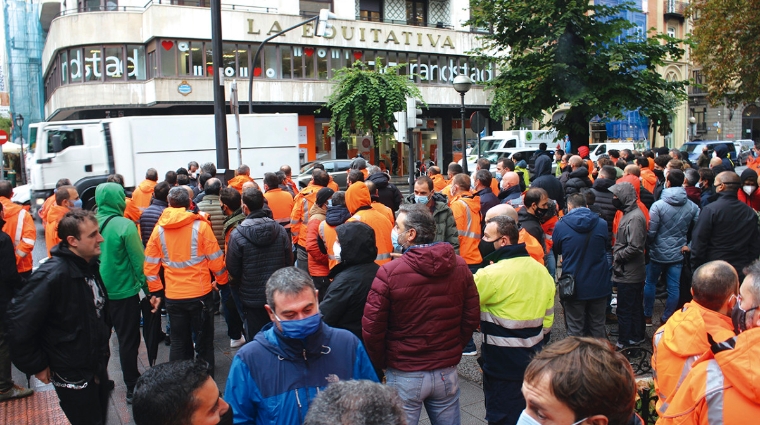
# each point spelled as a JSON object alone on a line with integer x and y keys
{"x": 3, "y": 137}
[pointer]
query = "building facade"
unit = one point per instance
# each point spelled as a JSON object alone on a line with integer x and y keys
{"x": 108, "y": 58}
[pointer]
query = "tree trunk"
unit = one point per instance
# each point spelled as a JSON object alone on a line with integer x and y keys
{"x": 578, "y": 130}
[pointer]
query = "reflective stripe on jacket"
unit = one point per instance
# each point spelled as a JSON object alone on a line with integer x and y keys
{"x": 359, "y": 203}
{"x": 466, "y": 210}
{"x": 19, "y": 225}
{"x": 329, "y": 236}
{"x": 186, "y": 246}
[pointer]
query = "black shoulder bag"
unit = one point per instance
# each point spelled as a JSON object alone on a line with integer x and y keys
{"x": 566, "y": 282}
{"x": 105, "y": 223}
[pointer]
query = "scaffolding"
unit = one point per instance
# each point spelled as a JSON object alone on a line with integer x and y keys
{"x": 24, "y": 40}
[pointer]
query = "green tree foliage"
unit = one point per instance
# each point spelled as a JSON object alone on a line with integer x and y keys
{"x": 5, "y": 124}
{"x": 727, "y": 38}
{"x": 550, "y": 52}
{"x": 364, "y": 100}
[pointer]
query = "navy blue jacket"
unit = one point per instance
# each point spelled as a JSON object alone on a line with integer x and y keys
{"x": 149, "y": 218}
{"x": 592, "y": 278}
{"x": 547, "y": 181}
{"x": 487, "y": 200}
{"x": 274, "y": 379}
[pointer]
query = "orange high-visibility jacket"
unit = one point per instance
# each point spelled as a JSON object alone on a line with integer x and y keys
{"x": 318, "y": 262}
{"x": 648, "y": 179}
{"x": 466, "y": 210}
{"x": 142, "y": 195}
{"x": 238, "y": 181}
{"x": 679, "y": 343}
{"x": 133, "y": 212}
{"x": 753, "y": 163}
{"x": 382, "y": 209}
{"x": 54, "y": 215}
{"x": 359, "y": 203}
{"x": 293, "y": 186}
{"x": 439, "y": 183}
{"x": 332, "y": 185}
{"x": 534, "y": 248}
{"x": 329, "y": 236}
{"x": 722, "y": 387}
{"x": 281, "y": 204}
{"x": 299, "y": 215}
{"x": 186, "y": 246}
{"x": 19, "y": 225}
{"x": 495, "y": 186}
{"x": 45, "y": 208}
{"x": 447, "y": 192}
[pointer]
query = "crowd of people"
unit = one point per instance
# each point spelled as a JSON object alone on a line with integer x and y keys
{"x": 319, "y": 286}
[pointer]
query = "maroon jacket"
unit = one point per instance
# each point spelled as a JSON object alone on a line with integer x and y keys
{"x": 694, "y": 194}
{"x": 421, "y": 310}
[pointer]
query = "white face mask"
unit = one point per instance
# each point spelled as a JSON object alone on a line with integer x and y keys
{"x": 336, "y": 250}
{"x": 526, "y": 419}
{"x": 749, "y": 190}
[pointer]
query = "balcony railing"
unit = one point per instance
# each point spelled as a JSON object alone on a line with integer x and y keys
{"x": 676, "y": 9}
{"x": 196, "y": 3}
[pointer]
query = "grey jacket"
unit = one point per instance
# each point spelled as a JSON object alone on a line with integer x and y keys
{"x": 628, "y": 264}
{"x": 669, "y": 221}
{"x": 213, "y": 207}
{"x": 445, "y": 225}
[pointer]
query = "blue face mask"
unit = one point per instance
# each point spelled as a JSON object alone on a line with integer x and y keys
{"x": 394, "y": 239}
{"x": 498, "y": 176}
{"x": 78, "y": 203}
{"x": 423, "y": 200}
{"x": 300, "y": 329}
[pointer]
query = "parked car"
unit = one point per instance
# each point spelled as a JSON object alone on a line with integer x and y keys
{"x": 337, "y": 168}
{"x": 694, "y": 149}
{"x": 744, "y": 149}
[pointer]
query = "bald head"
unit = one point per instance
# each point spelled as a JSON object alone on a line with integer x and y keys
{"x": 189, "y": 190}
{"x": 728, "y": 181}
{"x": 510, "y": 179}
{"x": 502, "y": 209}
{"x": 249, "y": 184}
{"x": 714, "y": 162}
{"x": 713, "y": 283}
{"x": 575, "y": 162}
{"x": 633, "y": 170}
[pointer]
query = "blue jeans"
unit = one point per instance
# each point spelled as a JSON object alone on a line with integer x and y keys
{"x": 550, "y": 261}
{"x": 437, "y": 389}
{"x": 673, "y": 278}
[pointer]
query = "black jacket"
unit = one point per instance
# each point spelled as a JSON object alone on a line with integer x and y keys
{"x": 604, "y": 201}
{"x": 545, "y": 180}
{"x": 149, "y": 218}
{"x": 10, "y": 280}
{"x": 388, "y": 193}
{"x": 646, "y": 197}
{"x": 726, "y": 230}
{"x": 577, "y": 181}
{"x": 487, "y": 200}
{"x": 258, "y": 247}
{"x": 53, "y": 321}
{"x": 343, "y": 305}
{"x": 532, "y": 225}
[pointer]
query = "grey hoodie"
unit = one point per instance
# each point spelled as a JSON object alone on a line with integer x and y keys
{"x": 628, "y": 251}
{"x": 669, "y": 221}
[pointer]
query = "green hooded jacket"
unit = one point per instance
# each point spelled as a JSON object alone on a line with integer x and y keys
{"x": 122, "y": 257}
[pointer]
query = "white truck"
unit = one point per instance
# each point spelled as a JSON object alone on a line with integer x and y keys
{"x": 510, "y": 139}
{"x": 87, "y": 151}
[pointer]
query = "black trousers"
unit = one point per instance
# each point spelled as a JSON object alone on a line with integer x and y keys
{"x": 254, "y": 319}
{"x": 87, "y": 406}
{"x": 503, "y": 399}
{"x": 630, "y": 312}
{"x": 189, "y": 317}
{"x": 125, "y": 315}
{"x": 6, "y": 375}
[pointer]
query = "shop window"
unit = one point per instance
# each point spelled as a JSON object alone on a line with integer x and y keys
{"x": 185, "y": 58}
{"x": 135, "y": 61}
{"x": 152, "y": 65}
{"x": 229, "y": 60}
{"x": 322, "y": 63}
{"x": 93, "y": 64}
{"x": 271, "y": 68}
{"x": 168, "y": 57}
{"x": 114, "y": 63}
{"x": 287, "y": 61}
{"x": 243, "y": 61}
{"x": 197, "y": 58}
{"x": 64, "y": 67}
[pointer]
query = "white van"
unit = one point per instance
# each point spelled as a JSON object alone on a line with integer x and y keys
{"x": 596, "y": 149}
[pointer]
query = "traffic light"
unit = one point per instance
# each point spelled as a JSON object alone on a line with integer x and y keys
{"x": 323, "y": 23}
{"x": 413, "y": 111}
{"x": 400, "y": 126}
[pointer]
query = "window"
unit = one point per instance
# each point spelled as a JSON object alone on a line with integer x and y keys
{"x": 312, "y": 7}
{"x": 416, "y": 12}
{"x": 344, "y": 165}
{"x": 371, "y": 10}
{"x": 97, "y": 5}
{"x": 671, "y": 31}
{"x": 69, "y": 138}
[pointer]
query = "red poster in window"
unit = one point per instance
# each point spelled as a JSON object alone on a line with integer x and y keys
{"x": 167, "y": 45}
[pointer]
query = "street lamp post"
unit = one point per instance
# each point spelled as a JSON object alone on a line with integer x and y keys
{"x": 20, "y": 124}
{"x": 462, "y": 84}
{"x": 692, "y": 123}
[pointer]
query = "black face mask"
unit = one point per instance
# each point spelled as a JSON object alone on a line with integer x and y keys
{"x": 739, "y": 318}
{"x": 540, "y": 212}
{"x": 618, "y": 204}
{"x": 2, "y": 222}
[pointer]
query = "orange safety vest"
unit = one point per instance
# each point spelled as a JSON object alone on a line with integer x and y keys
{"x": 721, "y": 388}
{"x": 299, "y": 215}
{"x": 54, "y": 215}
{"x": 466, "y": 210}
{"x": 679, "y": 343}
{"x": 382, "y": 227}
{"x": 384, "y": 210}
{"x": 534, "y": 248}
{"x": 238, "y": 181}
{"x": 19, "y": 225}
{"x": 329, "y": 236}
{"x": 143, "y": 194}
{"x": 281, "y": 204}
{"x": 186, "y": 246}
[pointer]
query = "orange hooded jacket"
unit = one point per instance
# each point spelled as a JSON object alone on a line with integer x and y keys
{"x": 281, "y": 204}
{"x": 466, "y": 210}
{"x": 359, "y": 203}
{"x": 438, "y": 182}
{"x": 187, "y": 248}
{"x": 45, "y": 208}
{"x": 19, "y": 225}
{"x": 143, "y": 194}
{"x": 299, "y": 215}
{"x": 723, "y": 387}
{"x": 387, "y": 212}
{"x": 648, "y": 179}
{"x": 679, "y": 343}
{"x": 318, "y": 264}
{"x": 534, "y": 248}
{"x": 329, "y": 236}
{"x": 54, "y": 215}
